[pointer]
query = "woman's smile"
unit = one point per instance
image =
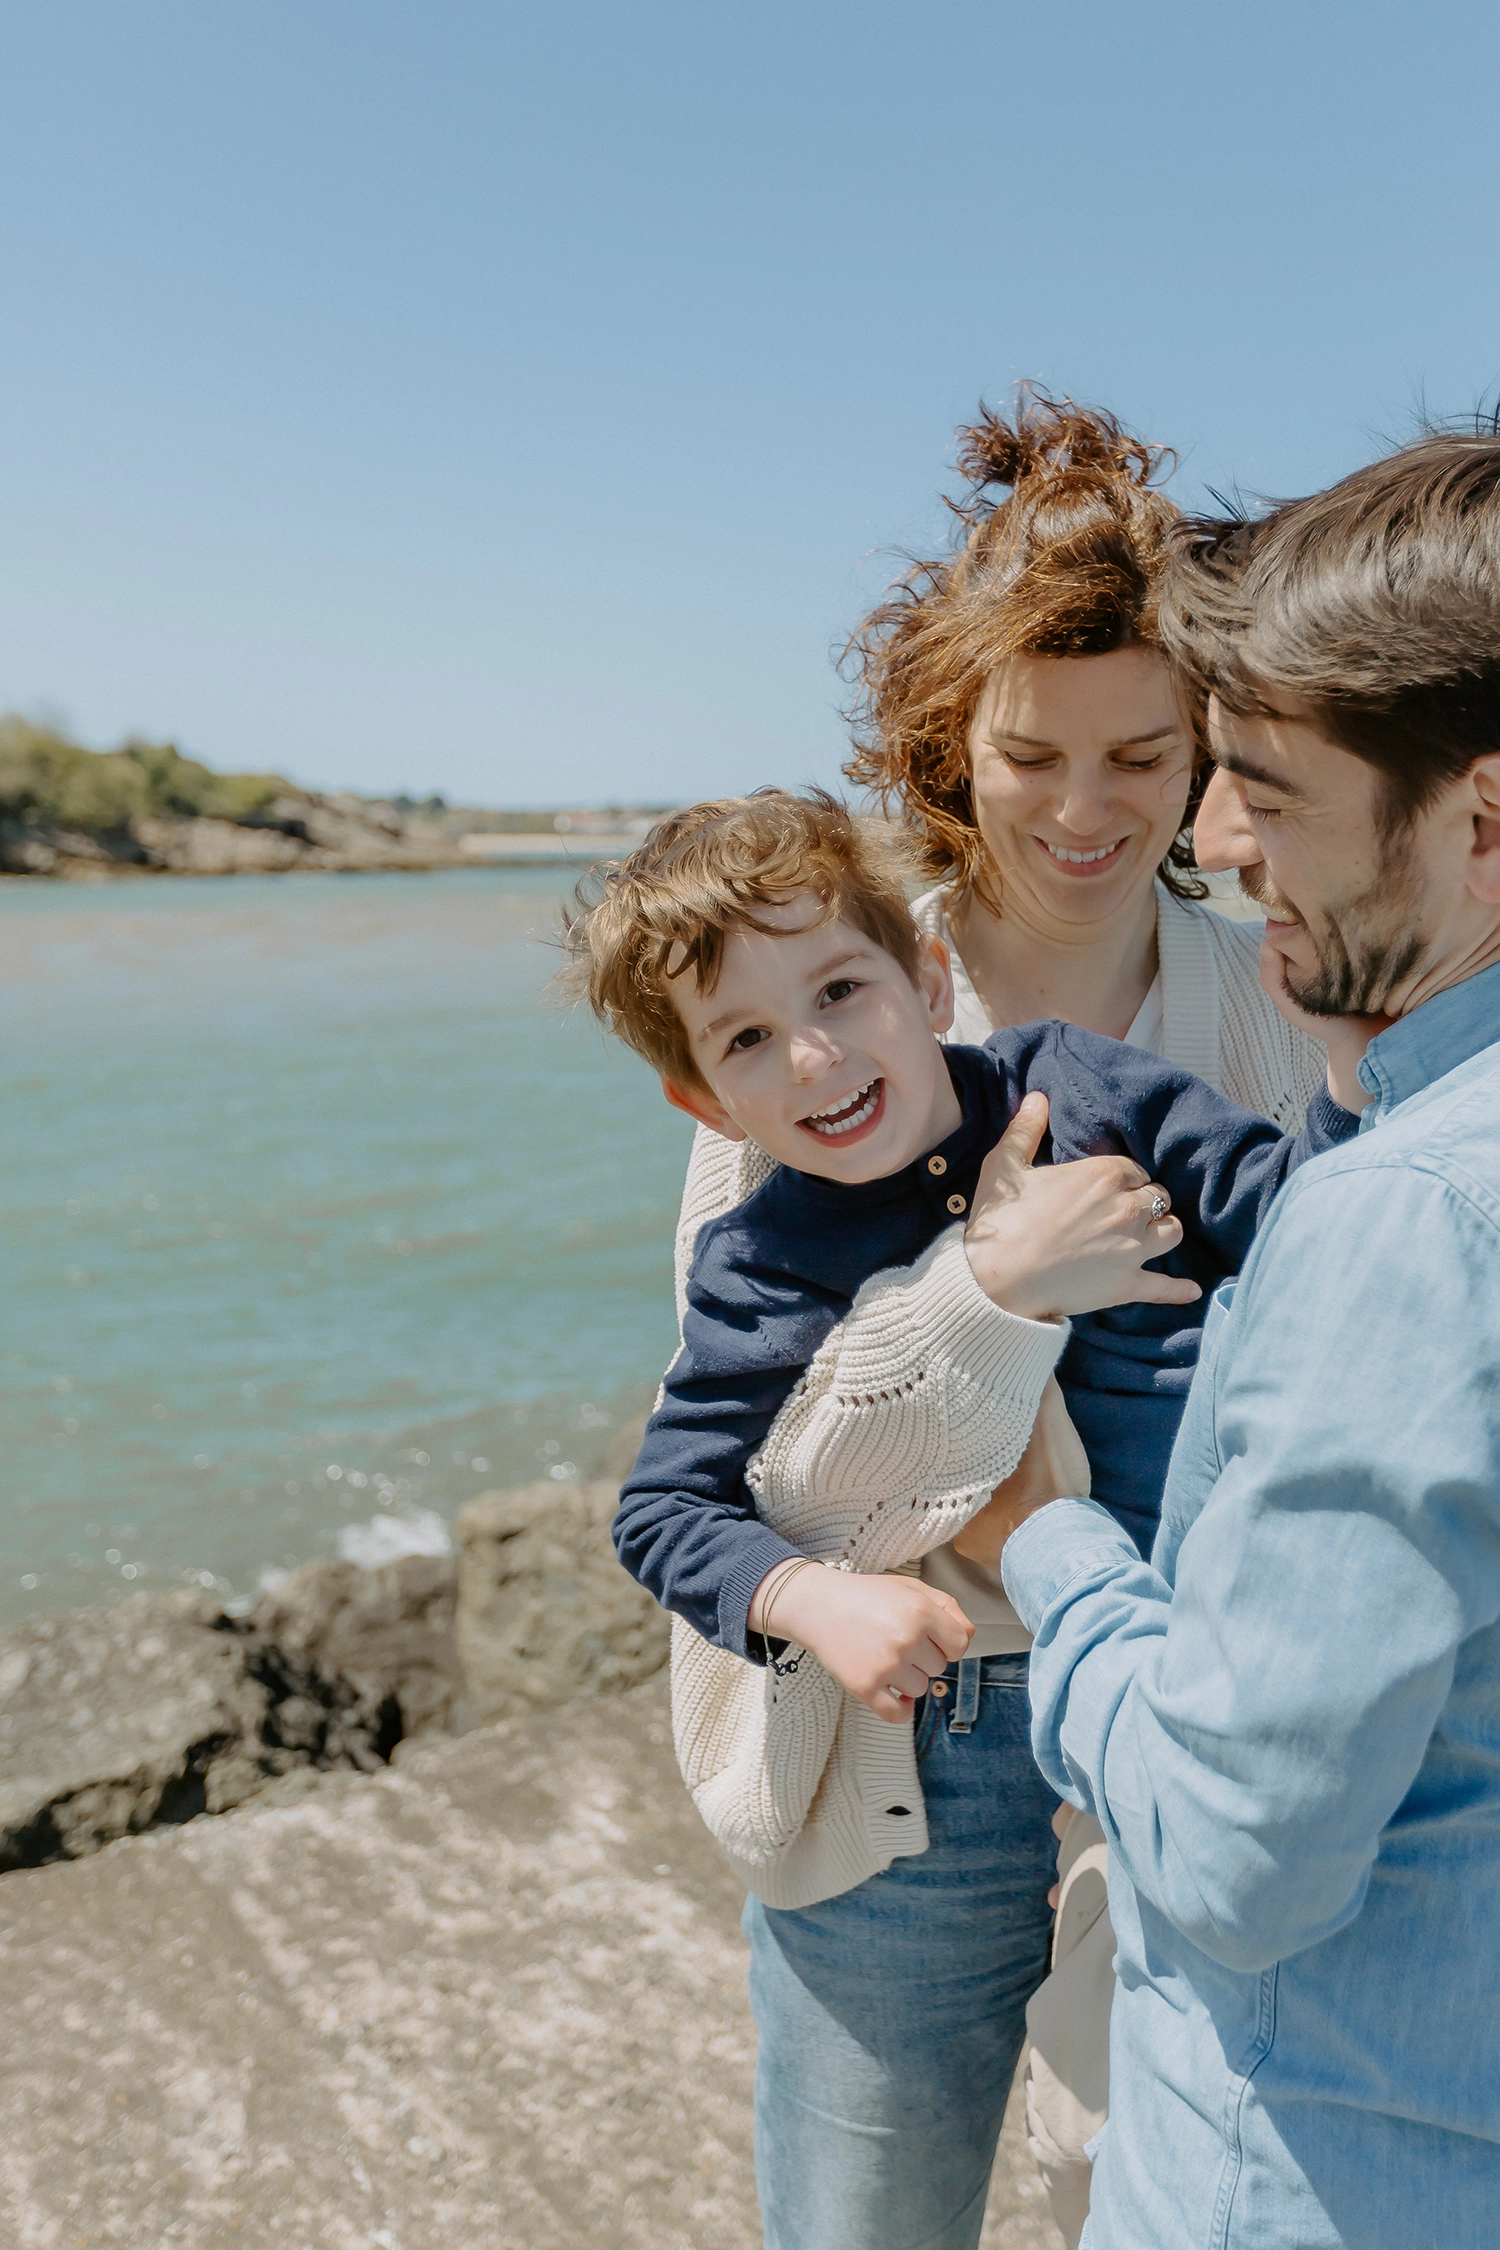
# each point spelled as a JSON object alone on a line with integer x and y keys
{"x": 1096, "y": 859}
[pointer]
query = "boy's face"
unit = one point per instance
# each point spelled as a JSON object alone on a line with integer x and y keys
{"x": 816, "y": 1044}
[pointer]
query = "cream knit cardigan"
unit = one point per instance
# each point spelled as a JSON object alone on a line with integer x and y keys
{"x": 917, "y": 1405}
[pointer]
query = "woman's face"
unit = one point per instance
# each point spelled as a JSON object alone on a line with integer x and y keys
{"x": 1081, "y": 768}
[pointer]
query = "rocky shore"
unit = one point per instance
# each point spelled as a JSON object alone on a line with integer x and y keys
{"x": 294, "y": 829}
{"x": 146, "y": 809}
{"x": 452, "y": 1963}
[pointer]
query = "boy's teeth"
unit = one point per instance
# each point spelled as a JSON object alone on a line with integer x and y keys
{"x": 842, "y": 1117}
{"x": 1083, "y": 859}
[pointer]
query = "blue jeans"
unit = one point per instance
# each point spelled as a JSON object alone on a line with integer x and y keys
{"x": 891, "y": 2019}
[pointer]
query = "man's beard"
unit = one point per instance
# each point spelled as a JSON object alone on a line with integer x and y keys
{"x": 1364, "y": 949}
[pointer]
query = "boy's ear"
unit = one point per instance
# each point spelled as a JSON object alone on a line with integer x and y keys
{"x": 704, "y": 1108}
{"x": 935, "y": 982}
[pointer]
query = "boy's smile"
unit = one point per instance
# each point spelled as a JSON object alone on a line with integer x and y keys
{"x": 850, "y": 1118}
{"x": 816, "y": 1044}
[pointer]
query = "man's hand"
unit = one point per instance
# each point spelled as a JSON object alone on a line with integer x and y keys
{"x": 1345, "y": 1037}
{"x": 1053, "y": 1467}
{"x": 1068, "y": 1238}
{"x": 882, "y": 1637}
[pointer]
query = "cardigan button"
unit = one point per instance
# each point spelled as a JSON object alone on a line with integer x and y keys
{"x": 937, "y": 1166}
{"x": 957, "y": 1205}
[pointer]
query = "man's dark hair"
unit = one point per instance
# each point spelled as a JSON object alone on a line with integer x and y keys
{"x": 1373, "y": 608}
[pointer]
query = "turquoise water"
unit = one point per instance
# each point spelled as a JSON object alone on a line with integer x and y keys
{"x": 320, "y": 1215}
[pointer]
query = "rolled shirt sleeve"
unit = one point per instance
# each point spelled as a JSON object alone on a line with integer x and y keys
{"x": 1247, "y": 1713}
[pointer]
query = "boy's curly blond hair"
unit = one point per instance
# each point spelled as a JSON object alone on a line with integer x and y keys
{"x": 667, "y": 910}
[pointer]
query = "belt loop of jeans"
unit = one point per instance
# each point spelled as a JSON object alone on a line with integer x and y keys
{"x": 966, "y": 1702}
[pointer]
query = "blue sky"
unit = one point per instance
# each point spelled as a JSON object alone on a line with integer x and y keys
{"x": 523, "y": 402}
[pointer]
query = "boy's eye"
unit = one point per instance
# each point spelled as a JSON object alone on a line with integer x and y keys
{"x": 744, "y": 1039}
{"x": 840, "y": 988}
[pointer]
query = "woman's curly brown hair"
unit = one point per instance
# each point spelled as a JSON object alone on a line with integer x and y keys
{"x": 1070, "y": 564}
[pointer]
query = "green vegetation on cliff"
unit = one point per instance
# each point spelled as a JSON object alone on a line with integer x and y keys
{"x": 47, "y": 780}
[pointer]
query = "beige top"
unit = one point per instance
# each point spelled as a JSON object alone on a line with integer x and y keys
{"x": 924, "y": 1397}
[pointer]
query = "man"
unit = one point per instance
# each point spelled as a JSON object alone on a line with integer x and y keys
{"x": 1289, "y": 1722}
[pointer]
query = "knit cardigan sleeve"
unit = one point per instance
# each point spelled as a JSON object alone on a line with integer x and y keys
{"x": 864, "y": 1440}
{"x": 877, "y": 1457}
{"x": 918, "y": 1404}
{"x": 923, "y": 1396}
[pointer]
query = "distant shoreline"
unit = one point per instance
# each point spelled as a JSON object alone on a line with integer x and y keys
{"x": 305, "y": 834}
{"x": 145, "y": 809}
{"x": 213, "y": 854}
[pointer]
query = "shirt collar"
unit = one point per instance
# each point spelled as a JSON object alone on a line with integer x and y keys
{"x": 1420, "y": 1048}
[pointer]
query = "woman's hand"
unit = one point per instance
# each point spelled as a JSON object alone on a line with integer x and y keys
{"x": 1068, "y": 1238}
{"x": 1345, "y": 1037}
{"x": 882, "y": 1637}
{"x": 1053, "y": 1467}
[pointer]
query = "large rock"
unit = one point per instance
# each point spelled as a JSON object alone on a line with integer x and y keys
{"x": 545, "y": 1613}
{"x": 297, "y": 830}
{"x": 488, "y": 1998}
{"x": 156, "y": 1710}
{"x": 388, "y": 1634}
{"x": 163, "y": 1707}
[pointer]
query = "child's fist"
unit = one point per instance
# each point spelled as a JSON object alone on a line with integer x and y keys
{"x": 882, "y": 1637}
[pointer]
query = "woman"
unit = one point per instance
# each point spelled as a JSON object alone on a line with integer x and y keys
{"x": 1017, "y": 716}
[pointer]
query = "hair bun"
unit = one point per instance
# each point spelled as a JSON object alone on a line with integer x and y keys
{"x": 1047, "y": 437}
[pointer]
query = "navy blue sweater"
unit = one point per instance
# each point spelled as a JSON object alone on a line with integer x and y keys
{"x": 772, "y": 1278}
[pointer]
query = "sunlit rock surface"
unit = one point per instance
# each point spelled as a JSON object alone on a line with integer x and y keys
{"x": 488, "y": 1998}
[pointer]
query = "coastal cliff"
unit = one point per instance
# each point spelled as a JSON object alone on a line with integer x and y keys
{"x": 144, "y": 809}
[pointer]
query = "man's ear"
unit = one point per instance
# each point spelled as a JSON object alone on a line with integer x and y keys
{"x": 704, "y": 1108}
{"x": 1484, "y": 857}
{"x": 935, "y": 982}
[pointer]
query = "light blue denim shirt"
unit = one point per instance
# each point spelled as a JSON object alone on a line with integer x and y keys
{"x": 1289, "y": 1720}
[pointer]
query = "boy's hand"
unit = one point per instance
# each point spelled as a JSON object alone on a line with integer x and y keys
{"x": 1345, "y": 1037}
{"x": 1068, "y": 1238}
{"x": 1053, "y": 1467}
{"x": 882, "y": 1637}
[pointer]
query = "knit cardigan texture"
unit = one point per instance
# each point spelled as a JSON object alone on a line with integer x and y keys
{"x": 804, "y": 1788}
{"x": 925, "y": 1388}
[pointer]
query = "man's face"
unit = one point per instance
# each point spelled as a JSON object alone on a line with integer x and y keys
{"x": 1346, "y": 898}
{"x": 816, "y": 1044}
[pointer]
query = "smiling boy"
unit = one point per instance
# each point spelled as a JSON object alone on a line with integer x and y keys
{"x": 760, "y": 954}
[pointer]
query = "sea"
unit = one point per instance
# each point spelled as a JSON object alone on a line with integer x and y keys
{"x": 322, "y": 1213}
